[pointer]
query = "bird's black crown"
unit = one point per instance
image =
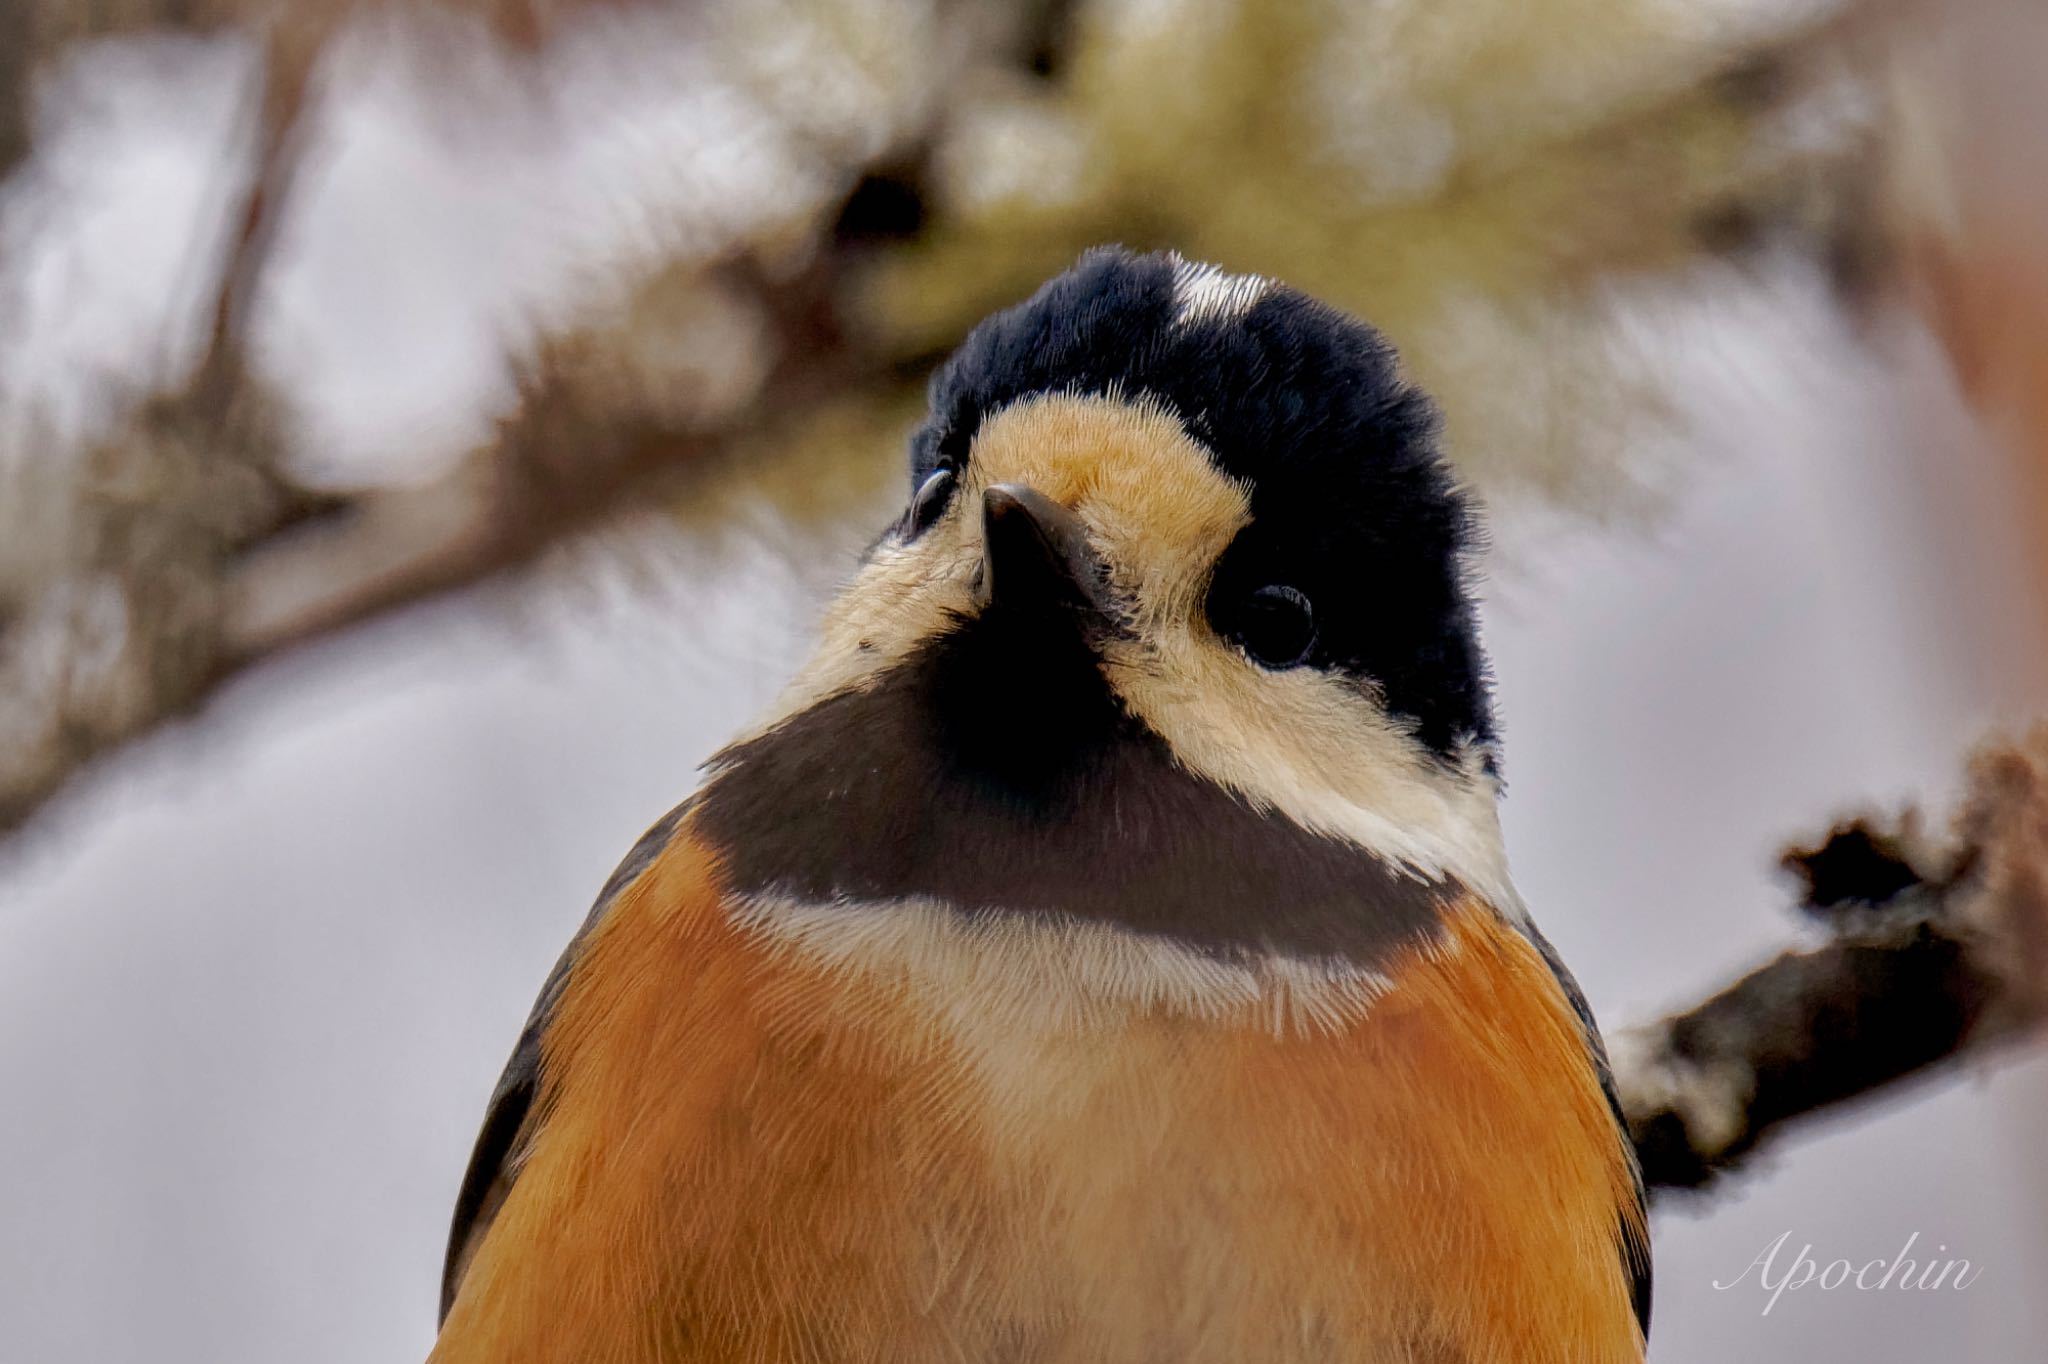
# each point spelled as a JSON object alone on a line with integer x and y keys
{"x": 1352, "y": 506}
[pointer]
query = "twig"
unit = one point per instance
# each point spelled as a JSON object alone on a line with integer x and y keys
{"x": 564, "y": 461}
{"x": 1937, "y": 953}
{"x": 125, "y": 637}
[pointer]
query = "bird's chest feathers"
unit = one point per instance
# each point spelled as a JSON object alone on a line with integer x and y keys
{"x": 1139, "y": 1141}
{"x": 866, "y": 1131}
{"x": 1122, "y": 1145}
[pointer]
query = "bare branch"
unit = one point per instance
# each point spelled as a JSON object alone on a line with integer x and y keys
{"x": 34, "y": 32}
{"x": 1937, "y": 952}
{"x": 128, "y": 637}
{"x": 576, "y": 449}
{"x": 254, "y": 566}
{"x": 239, "y": 563}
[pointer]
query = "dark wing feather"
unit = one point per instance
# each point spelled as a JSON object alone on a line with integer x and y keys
{"x": 510, "y": 1117}
{"x": 1635, "y": 1246}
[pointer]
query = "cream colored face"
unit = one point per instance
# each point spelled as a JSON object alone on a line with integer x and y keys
{"x": 1159, "y": 514}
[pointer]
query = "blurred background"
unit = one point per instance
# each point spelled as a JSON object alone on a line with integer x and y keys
{"x": 428, "y": 430}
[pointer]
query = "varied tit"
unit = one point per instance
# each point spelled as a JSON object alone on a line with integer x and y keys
{"x": 1104, "y": 951}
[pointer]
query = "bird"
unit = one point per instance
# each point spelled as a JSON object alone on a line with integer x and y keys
{"x": 1104, "y": 948}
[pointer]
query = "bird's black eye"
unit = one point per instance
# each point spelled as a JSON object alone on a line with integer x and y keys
{"x": 931, "y": 499}
{"x": 1277, "y": 627}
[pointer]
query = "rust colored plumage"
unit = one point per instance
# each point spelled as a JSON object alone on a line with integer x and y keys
{"x": 742, "y": 1153}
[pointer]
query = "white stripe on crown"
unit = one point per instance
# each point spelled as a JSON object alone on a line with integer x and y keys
{"x": 1203, "y": 293}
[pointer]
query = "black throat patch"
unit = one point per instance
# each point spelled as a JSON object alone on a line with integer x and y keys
{"x": 997, "y": 772}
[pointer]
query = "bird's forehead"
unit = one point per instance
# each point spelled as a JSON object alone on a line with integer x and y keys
{"x": 1140, "y": 480}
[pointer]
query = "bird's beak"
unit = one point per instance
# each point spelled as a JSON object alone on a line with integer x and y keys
{"x": 1035, "y": 553}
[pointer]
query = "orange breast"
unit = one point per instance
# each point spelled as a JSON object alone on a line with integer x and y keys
{"x": 748, "y": 1155}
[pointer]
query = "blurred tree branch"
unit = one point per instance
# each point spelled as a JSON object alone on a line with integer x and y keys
{"x": 204, "y": 556}
{"x": 575, "y": 451}
{"x": 1937, "y": 948}
{"x": 293, "y": 33}
{"x": 1936, "y": 955}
